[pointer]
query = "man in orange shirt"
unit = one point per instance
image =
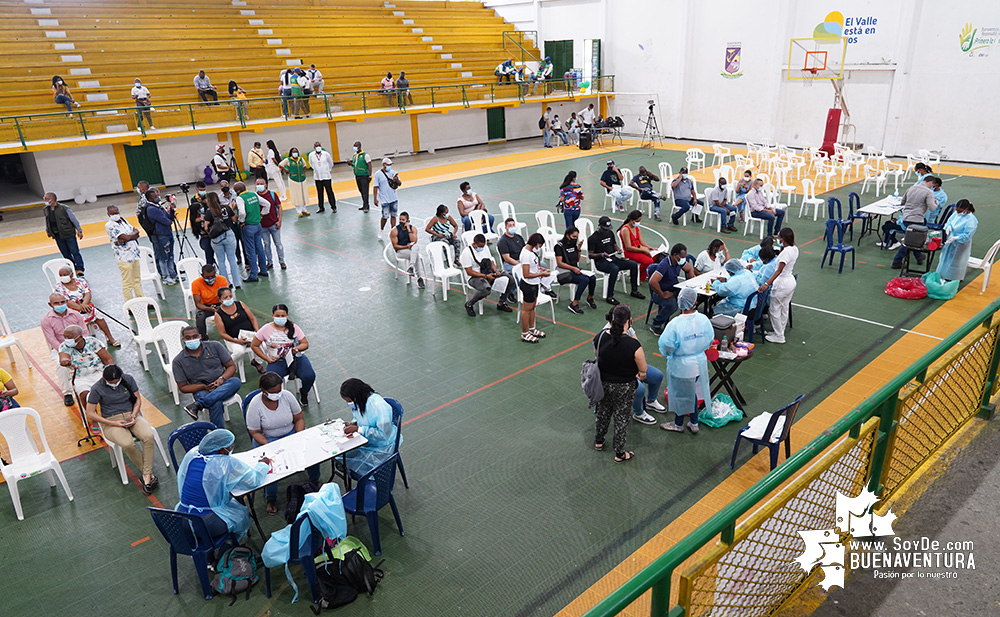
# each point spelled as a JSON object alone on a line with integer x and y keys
{"x": 205, "y": 290}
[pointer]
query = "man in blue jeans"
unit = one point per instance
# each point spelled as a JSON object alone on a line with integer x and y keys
{"x": 162, "y": 217}
{"x": 62, "y": 226}
{"x": 663, "y": 278}
{"x": 248, "y": 208}
{"x": 684, "y": 196}
{"x": 205, "y": 369}
{"x": 760, "y": 209}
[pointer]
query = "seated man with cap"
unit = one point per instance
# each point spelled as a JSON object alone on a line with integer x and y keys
{"x": 206, "y": 478}
{"x": 605, "y": 255}
{"x": 611, "y": 180}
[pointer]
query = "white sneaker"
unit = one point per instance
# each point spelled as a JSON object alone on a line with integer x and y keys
{"x": 670, "y": 426}
{"x": 693, "y": 428}
{"x": 895, "y": 245}
{"x": 771, "y": 338}
{"x": 878, "y": 244}
{"x": 380, "y": 236}
{"x": 644, "y": 417}
{"x": 656, "y": 406}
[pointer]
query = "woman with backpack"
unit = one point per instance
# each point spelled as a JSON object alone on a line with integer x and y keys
{"x": 274, "y": 413}
{"x": 220, "y": 221}
{"x": 373, "y": 421}
{"x": 621, "y": 362}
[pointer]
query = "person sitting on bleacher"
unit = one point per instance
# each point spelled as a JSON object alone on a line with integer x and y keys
{"x": 387, "y": 86}
{"x": 403, "y": 89}
{"x": 505, "y": 70}
{"x": 315, "y": 79}
{"x": 204, "y": 87}
{"x": 62, "y": 94}
{"x": 544, "y": 74}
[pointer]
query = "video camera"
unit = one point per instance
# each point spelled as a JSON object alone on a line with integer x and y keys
{"x": 184, "y": 186}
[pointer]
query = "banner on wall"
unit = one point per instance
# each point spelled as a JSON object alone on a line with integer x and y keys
{"x": 977, "y": 42}
{"x": 731, "y": 67}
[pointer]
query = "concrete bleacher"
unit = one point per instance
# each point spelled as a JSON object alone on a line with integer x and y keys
{"x": 100, "y": 47}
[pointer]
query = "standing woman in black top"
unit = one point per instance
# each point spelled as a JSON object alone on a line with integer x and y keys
{"x": 232, "y": 316}
{"x": 621, "y": 361}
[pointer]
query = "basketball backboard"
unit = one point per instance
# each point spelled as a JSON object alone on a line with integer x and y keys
{"x": 817, "y": 58}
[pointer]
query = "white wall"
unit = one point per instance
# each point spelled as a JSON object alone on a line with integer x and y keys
{"x": 457, "y": 128}
{"x": 380, "y": 136}
{"x": 182, "y": 159}
{"x": 908, "y": 85}
{"x": 64, "y": 172}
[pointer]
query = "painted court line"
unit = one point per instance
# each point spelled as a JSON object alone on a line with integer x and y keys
{"x": 874, "y": 323}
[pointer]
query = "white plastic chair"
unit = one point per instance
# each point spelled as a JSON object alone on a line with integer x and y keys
{"x": 298, "y": 383}
{"x": 8, "y": 340}
{"x": 545, "y": 218}
{"x": 750, "y": 222}
{"x": 26, "y": 459}
{"x": 138, "y": 309}
{"x": 507, "y": 212}
{"x": 986, "y": 263}
{"x": 190, "y": 267}
{"x": 827, "y": 169}
{"x": 586, "y": 227}
{"x": 695, "y": 157}
{"x": 167, "y": 339}
{"x": 239, "y": 354}
{"x": 809, "y": 199}
{"x": 708, "y": 213}
{"x": 879, "y": 178}
{"x": 51, "y": 269}
{"x": 441, "y": 253}
{"x": 784, "y": 184}
{"x": 541, "y": 300}
{"x": 720, "y": 154}
{"x": 930, "y": 158}
{"x": 118, "y": 455}
{"x": 666, "y": 177}
{"x": 146, "y": 256}
{"x": 480, "y": 224}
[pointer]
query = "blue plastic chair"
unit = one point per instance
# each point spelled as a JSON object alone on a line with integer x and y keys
{"x": 835, "y": 211}
{"x": 397, "y": 421}
{"x": 755, "y": 313}
{"x": 853, "y": 209}
{"x": 835, "y": 227}
{"x": 187, "y": 534}
{"x": 373, "y": 492}
{"x": 942, "y": 218}
{"x": 307, "y": 561}
{"x": 190, "y": 435}
{"x": 243, "y": 406}
{"x": 773, "y": 445}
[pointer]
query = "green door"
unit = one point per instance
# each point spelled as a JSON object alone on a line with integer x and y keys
{"x": 496, "y": 124}
{"x": 561, "y": 53}
{"x": 144, "y": 163}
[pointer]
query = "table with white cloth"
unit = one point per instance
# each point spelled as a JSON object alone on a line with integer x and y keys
{"x": 699, "y": 283}
{"x": 294, "y": 453}
{"x": 887, "y": 206}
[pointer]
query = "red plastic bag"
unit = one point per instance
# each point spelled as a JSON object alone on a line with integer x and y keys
{"x": 906, "y": 287}
{"x": 666, "y": 399}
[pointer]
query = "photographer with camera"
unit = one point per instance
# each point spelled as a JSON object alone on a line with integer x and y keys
{"x": 221, "y": 164}
{"x": 484, "y": 277}
{"x": 162, "y": 216}
{"x": 196, "y": 219}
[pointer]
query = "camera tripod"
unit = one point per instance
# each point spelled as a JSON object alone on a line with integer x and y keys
{"x": 180, "y": 230}
{"x": 651, "y": 134}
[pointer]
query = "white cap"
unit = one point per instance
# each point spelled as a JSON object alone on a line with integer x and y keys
{"x": 220, "y": 146}
{"x": 387, "y": 161}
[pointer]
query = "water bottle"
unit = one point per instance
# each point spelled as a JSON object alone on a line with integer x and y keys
{"x": 724, "y": 345}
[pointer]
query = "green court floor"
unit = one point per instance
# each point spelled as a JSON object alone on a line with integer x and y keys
{"x": 510, "y": 511}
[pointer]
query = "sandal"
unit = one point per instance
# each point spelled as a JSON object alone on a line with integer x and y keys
{"x": 272, "y": 507}
{"x": 537, "y": 333}
{"x": 115, "y": 343}
{"x": 627, "y": 457}
{"x": 528, "y": 337}
{"x": 598, "y": 445}
{"x": 260, "y": 367}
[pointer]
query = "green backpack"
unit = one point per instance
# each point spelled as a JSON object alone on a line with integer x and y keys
{"x": 236, "y": 573}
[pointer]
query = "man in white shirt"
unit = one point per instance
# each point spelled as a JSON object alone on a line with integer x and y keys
{"x": 306, "y": 86}
{"x": 124, "y": 242}
{"x": 315, "y": 79}
{"x": 204, "y": 87}
{"x": 386, "y": 181}
{"x": 140, "y": 94}
{"x": 471, "y": 259}
{"x": 555, "y": 126}
{"x": 221, "y": 164}
{"x": 587, "y": 116}
{"x": 322, "y": 166}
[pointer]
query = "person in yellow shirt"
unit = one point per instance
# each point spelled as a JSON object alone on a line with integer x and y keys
{"x": 8, "y": 390}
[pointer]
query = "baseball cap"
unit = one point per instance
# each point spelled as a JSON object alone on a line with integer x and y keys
{"x": 604, "y": 222}
{"x": 387, "y": 161}
{"x": 220, "y": 146}
{"x": 610, "y": 162}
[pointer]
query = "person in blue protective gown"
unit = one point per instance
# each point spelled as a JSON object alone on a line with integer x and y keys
{"x": 208, "y": 475}
{"x": 735, "y": 290}
{"x": 959, "y": 230}
{"x": 373, "y": 420}
{"x": 765, "y": 265}
{"x": 684, "y": 342}
{"x": 751, "y": 255}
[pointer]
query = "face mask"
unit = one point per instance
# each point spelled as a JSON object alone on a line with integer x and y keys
{"x": 353, "y": 406}
{"x": 318, "y": 149}
{"x": 468, "y": 191}
{"x": 274, "y": 396}
{"x": 225, "y": 190}
{"x": 261, "y": 188}
{"x": 229, "y": 302}
{"x": 722, "y": 185}
{"x": 511, "y": 230}
{"x": 113, "y": 385}
{"x": 59, "y": 308}
{"x": 295, "y": 155}
{"x": 65, "y": 279}
{"x": 210, "y": 281}
{"x": 193, "y": 344}
{"x": 280, "y": 321}
{"x": 356, "y": 149}
{"x": 202, "y": 193}
{"x": 115, "y": 217}
{"x": 747, "y": 176}
{"x": 479, "y": 249}
{"x": 388, "y": 169}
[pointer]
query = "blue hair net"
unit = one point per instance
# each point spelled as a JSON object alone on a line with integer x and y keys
{"x": 687, "y": 298}
{"x": 733, "y": 266}
{"x": 216, "y": 440}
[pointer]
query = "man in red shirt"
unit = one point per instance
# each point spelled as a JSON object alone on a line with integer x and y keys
{"x": 270, "y": 222}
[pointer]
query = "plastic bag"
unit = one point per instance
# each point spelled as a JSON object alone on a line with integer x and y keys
{"x": 937, "y": 288}
{"x": 906, "y": 287}
{"x": 722, "y": 412}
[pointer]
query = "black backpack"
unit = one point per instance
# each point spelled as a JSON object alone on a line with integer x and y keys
{"x": 334, "y": 588}
{"x": 359, "y": 573}
{"x": 541, "y": 122}
{"x": 294, "y": 495}
{"x": 236, "y": 573}
{"x": 147, "y": 225}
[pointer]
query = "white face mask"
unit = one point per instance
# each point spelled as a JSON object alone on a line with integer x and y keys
{"x": 261, "y": 188}
{"x": 356, "y": 149}
{"x": 65, "y": 280}
{"x": 468, "y": 191}
{"x": 295, "y": 155}
{"x": 274, "y": 396}
{"x": 115, "y": 217}
{"x": 113, "y": 385}
{"x": 318, "y": 149}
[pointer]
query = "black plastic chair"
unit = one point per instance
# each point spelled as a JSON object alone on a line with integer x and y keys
{"x": 834, "y": 237}
{"x": 190, "y": 435}
{"x": 187, "y": 534}
{"x": 373, "y": 492}
{"x": 942, "y": 218}
{"x": 767, "y": 438}
{"x": 397, "y": 421}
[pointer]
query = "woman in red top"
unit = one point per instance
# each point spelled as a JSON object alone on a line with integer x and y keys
{"x": 635, "y": 248}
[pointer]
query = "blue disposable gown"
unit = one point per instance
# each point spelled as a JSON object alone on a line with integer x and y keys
{"x": 734, "y": 292}
{"x": 751, "y": 253}
{"x": 326, "y": 512}
{"x": 955, "y": 256}
{"x": 376, "y": 426}
{"x": 684, "y": 342}
{"x": 764, "y": 271}
{"x": 223, "y": 474}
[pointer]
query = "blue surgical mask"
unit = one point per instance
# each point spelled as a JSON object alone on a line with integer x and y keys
{"x": 59, "y": 308}
{"x": 193, "y": 344}
{"x": 353, "y": 406}
{"x": 388, "y": 169}
{"x": 280, "y": 321}
{"x": 210, "y": 281}
{"x": 202, "y": 193}
{"x": 229, "y": 302}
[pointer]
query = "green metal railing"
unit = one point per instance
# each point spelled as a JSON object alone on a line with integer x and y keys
{"x": 513, "y": 42}
{"x": 222, "y": 115}
{"x": 955, "y": 368}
